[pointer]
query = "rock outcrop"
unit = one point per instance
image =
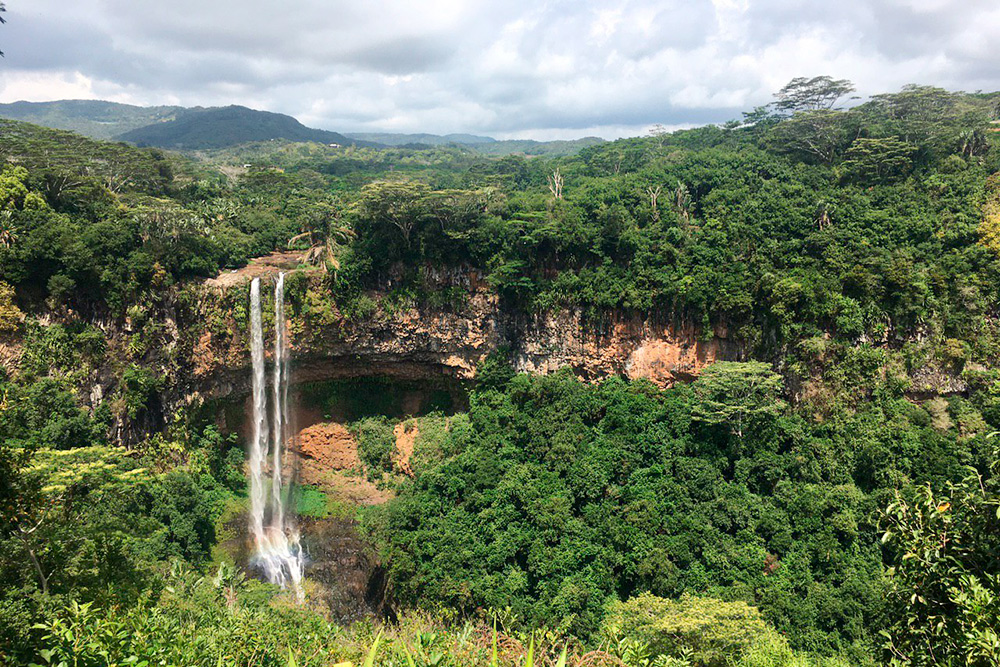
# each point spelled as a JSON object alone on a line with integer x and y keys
{"x": 195, "y": 339}
{"x": 419, "y": 342}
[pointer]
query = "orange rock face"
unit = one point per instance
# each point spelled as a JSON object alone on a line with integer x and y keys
{"x": 406, "y": 436}
{"x": 414, "y": 341}
{"x": 328, "y": 458}
{"x": 664, "y": 361}
{"x": 324, "y": 448}
{"x": 622, "y": 345}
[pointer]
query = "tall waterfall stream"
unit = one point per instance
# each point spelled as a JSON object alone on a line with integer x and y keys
{"x": 276, "y": 539}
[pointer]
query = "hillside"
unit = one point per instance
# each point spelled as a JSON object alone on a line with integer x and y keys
{"x": 532, "y": 148}
{"x": 92, "y": 118}
{"x": 197, "y": 128}
{"x": 219, "y": 127}
{"x": 401, "y": 139}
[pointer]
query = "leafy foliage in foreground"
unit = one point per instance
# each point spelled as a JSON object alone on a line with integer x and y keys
{"x": 945, "y": 602}
{"x": 201, "y": 621}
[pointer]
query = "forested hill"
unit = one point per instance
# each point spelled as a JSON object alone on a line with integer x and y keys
{"x": 228, "y": 126}
{"x": 483, "y": 145}
{"x": 402, "y": 139}
{"x": 92, "y": 118}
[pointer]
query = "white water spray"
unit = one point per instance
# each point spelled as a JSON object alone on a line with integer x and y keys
{"x": 276, "y": 539}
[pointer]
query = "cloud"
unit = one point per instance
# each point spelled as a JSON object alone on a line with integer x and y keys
{"x": 516, "y": 68}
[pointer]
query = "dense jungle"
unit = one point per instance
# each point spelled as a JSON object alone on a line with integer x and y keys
{"x": 718, "y": 396}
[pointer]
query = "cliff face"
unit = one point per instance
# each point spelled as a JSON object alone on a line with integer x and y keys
{"x": 193, "y": 342}
{"x": 411, "y": 341}
{"x": 619, "y": 344}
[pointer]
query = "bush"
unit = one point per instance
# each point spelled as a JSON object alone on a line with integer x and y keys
{"x": 945, "y": 593}
{"x": 376, "y": 443}
{"x": 709, "y": 631}
{"x": 772, "y": 650}
{"x": 10, "y": 315}
{"x": 139, "y": 386}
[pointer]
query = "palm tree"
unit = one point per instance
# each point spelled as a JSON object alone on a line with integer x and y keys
{"x": 7, "y": 233}
{"x": 323, "y": 236}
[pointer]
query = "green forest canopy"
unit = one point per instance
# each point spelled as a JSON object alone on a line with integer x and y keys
{"x": 844, "y": 248}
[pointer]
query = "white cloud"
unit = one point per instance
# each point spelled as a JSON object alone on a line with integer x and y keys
{"x": 59, "y": 85}
{"x": 562, "y": 67}
{"x": 605, "y": 24}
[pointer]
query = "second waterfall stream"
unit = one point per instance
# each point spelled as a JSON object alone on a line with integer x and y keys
{"x": 276, "y": 539}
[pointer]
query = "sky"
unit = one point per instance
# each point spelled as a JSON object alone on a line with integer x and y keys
{"x": 506, "y": 68}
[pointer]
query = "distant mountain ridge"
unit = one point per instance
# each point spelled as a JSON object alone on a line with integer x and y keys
{"x": 532, "y": 148}
{"x": 175, "y": 127}
{"x": 96, "y": 119}
{"x": 201, "y": 128}
{"x": 481, "y": 144}
{"x": 402, "y": 139}
{"x": 219, "y": 127}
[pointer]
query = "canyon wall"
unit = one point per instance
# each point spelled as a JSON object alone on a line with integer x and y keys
{"x": 411, "y": 341}
{"x": 192, "y": 341}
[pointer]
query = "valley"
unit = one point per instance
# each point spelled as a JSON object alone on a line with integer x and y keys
{"x": 699, "y": 398}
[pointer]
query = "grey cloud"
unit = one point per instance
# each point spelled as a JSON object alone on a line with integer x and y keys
{"x": 403, "y": 55}
{"x": 483, "y": 66}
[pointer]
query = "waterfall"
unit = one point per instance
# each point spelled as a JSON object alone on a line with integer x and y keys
{"x": 276, "y": 540}
{"x": 280, "y": 402}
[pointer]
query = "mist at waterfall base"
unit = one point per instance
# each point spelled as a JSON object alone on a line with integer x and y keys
{"x": 277, "y": 550}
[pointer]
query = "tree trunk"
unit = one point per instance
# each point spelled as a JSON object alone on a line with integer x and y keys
{"x": 38, "y": 568}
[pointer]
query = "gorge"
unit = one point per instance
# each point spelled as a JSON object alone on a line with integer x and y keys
{"x": 293, "y": 403}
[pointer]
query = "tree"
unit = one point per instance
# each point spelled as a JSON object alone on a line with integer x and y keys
{"x": 654, "y": 194}
{"x": 817, "y": 135}
{"x": 23, "y": 507}
{"x": 879, "y": 160}
{"x": 974, "y": 143}
{"x": 17, "y": 489}
{"x": 707, "y": 631}
{"x": 555, "y": 180}
{"x": 11, "y": 316}
{"x": 916, "y": 103}
{"x": 989, "y": 228}
{"x": 322, "y": 234}
{"x": 660, "y": 133}
{"x": 814, "y": 127}
{"x": 682, "y": 201}
{"x": 393, "y": 204}
{"x": 938, "y": 121}
{"x": 737, "y": 394}
{"x": 815, "y": 94}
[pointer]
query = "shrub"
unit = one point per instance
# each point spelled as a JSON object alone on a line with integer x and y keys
{"x": 710, "y": 631}
{"x": 139, "y": 386}
{"x": 359, "y": 308}
{"x": 10, "y": 315}
{"x": 376, "y": 443}
{"x": 945, "y": 593}
{"x": 771, "y": 649}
